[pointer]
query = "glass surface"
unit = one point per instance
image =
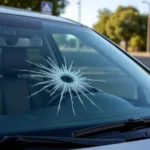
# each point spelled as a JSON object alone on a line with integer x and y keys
{"x": 57, "y": 75}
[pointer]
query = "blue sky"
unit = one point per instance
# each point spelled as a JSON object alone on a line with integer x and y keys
{"x": 90, "y": 9}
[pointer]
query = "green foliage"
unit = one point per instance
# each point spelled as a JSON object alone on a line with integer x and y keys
{"x": 103, "y": 16}
{"x": 58, "y": 5}
{"x": 143, "y": 29}
{"x": 136, "y": 41}
{"x": 123, "y": 25}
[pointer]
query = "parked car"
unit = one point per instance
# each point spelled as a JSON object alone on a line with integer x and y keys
{"x": 63, "y": 85}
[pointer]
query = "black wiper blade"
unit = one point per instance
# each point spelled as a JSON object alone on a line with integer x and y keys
{"x": 131, "y": 124}
{"x": 22, "y": 142}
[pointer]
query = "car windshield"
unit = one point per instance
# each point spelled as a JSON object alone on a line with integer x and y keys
{"x": 56, "y": 75}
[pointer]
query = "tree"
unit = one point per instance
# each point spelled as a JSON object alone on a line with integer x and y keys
{"x": 103, "y": 16}
{"x": 142, "y": 21}
{"x": 123, "y": 24}
{"x": 136, "y": 42}
{"x": 35, "y": 5}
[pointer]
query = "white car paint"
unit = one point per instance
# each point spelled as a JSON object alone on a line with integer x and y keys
{"x": 136, "y": 145}
{"x": 27, "y": 13}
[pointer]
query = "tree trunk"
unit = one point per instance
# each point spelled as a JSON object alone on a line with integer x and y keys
{"x": 126, "y": 45}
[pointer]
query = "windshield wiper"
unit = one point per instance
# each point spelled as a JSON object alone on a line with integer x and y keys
{"x": 129, "y": 125}
{"x": 22, "y": 142}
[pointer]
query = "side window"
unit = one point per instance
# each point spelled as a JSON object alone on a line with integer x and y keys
{"x": 68, "y": 42}
{"x": 97, "y": 66}
{"x": 75, "y": 49}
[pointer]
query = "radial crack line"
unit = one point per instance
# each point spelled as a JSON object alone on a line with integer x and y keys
{"x": 38, "y": 65}
{"x": 55, "y": 89}
{"x": 42, "y": 76}
{"x": 72, "y": 103}
{"x": 46, "y": 68}
{"x": 65, "y": 64}
{"x": 96, "y": 80}
{"x": 91, "y": 101}
{"x": 79, "y": 98}
{"x": 61, "y": 97}
{"x": 87, "y": 90}
{"x": 39, "y": 91}
{"x": 31, "y": 71}
{"x": 91, "y": 86}
{"x": 40, "y": 83}
{"x": 70, "y": 67}
{"x": 55, "y": 66}
{"x": 50, "y": 63}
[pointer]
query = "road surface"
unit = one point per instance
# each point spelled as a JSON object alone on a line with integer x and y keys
{"x": 144, "y": 59}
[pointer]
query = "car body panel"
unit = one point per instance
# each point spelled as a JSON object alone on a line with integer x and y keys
{"x": 138, "y": 145}
{"x": 27, "y": 13}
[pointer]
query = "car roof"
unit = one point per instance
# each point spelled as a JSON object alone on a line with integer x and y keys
{"x": 28, "y": 13}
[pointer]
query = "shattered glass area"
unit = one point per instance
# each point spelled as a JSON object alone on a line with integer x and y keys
{"x": 63, "y": 79}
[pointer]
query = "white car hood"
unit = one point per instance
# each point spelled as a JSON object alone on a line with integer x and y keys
{"x": 137, "y": 145}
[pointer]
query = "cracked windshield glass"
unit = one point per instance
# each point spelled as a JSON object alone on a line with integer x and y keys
{"x": 56, "y": 75}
